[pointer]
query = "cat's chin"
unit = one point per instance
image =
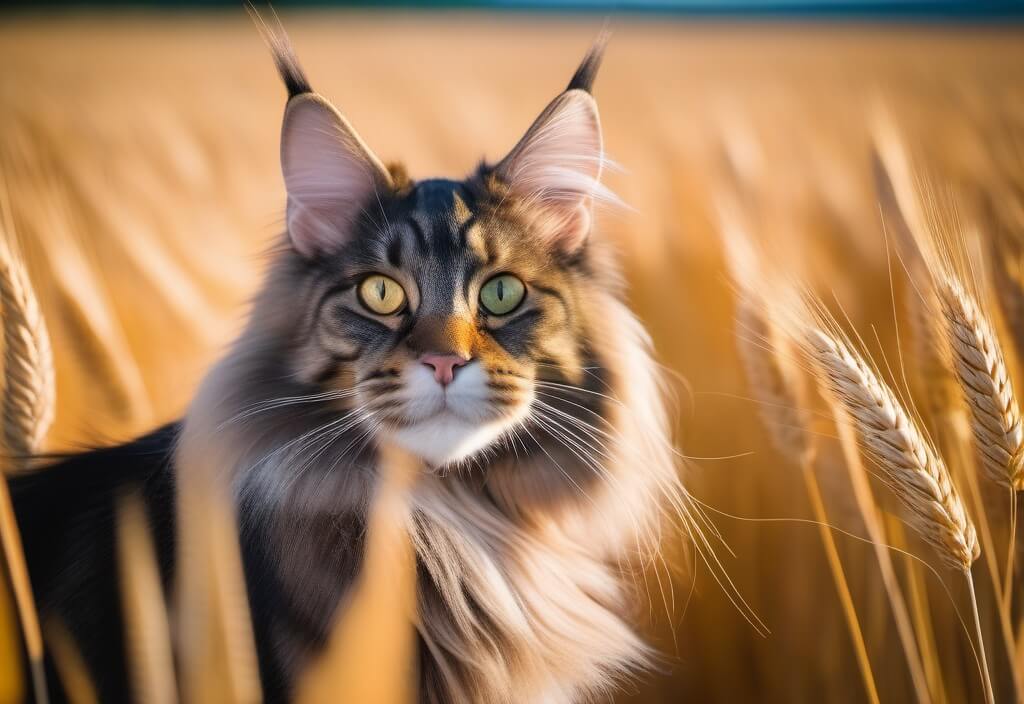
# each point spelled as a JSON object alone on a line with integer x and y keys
{"x": 445, "y": 438}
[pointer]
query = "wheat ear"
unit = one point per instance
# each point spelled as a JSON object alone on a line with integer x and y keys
{"x": 932, "y": 358}
{"x": 911, "y": 467}
{"x": 777, "y": 389}
{"x": 28, "y": 404}
{"x": 1006, "y": 256}
{"x": 930, "y": 218}
{"x": 981, "y": 370}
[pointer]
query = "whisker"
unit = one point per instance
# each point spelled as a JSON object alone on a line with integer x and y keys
{"x": 557, "y": 465}
{"x": 284, "y": 401}
{"x": 576, "y": 389}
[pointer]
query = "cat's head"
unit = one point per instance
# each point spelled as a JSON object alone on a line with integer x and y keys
{"x": 442, "y": 304}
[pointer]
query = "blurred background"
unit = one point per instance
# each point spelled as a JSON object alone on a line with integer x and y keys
{"x": 139, "y": 171}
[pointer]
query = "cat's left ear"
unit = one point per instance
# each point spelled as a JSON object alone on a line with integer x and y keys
{"x": 556, "y": 166}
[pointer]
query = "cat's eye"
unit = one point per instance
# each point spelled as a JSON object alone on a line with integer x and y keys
{"x": 381, "y": 295}
{"x": 502, "y": 294}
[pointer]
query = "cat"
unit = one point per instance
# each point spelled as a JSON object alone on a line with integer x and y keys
{"x": 480, "y": 325}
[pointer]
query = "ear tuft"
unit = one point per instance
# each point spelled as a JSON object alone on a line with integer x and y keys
{"x": 330, "y": 174}
{"x": 584, "y": 77}
{"x": 281, "y": 49}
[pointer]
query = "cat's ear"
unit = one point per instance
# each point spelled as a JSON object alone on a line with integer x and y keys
{"x": 330, "y": 175}
{"x": 556, "y": 166}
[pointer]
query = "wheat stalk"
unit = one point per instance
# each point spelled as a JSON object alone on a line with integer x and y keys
{"x": 386, "y": 585}
{"x": 216, "y": 650}
{"x": 72, "y": 671}
{"x": 147, "y": 632}
{"x": 780, "y": 396}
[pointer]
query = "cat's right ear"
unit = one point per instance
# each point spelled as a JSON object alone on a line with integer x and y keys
{"x": 331, "y": 176}
{"x": 329, "y": 173}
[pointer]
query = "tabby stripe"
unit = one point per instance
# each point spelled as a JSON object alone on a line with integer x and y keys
{"x": 420, "y": 235}
{"x": 395, "y": 252}
{"x": 550, "y": 292}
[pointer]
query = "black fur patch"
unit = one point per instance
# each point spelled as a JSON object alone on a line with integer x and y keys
{"x": 66, "y": 516}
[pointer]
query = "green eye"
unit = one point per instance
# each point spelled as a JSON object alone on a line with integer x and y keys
{"x": 502, "y": 294}
{"x": 381, "y": 294}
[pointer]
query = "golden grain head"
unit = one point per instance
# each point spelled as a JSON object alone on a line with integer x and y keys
{"x": 981, "y": 369}
{"x": 776, "y": 385}
{"x": 910, "y": 465}
{"x": 29, "y": 390}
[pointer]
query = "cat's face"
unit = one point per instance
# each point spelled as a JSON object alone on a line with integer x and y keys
{"x": 440, "y": 304}
{"x": 442, "y": 316}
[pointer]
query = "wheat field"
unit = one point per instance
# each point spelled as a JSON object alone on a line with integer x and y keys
{"x": 139, "y": 180}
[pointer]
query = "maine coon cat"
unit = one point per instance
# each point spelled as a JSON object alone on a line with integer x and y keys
{"x": 480, "y": 325}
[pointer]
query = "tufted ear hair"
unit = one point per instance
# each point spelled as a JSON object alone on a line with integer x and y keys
{"x": 556, "y": 166}
{"x": 330, "y": 174}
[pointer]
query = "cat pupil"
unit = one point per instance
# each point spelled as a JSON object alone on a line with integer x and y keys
{"x": 501, "y": 290}
{"x": 380, "y": 290}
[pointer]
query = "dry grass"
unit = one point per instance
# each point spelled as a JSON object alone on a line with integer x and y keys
{"x": 143, "y": 192}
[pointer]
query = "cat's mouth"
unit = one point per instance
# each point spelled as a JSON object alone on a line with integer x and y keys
{"x": 440, "y": 412}
{"x": 445, "y": 424}
{"x": 466, "y": 398}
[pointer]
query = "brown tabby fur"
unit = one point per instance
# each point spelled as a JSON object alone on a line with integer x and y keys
{"x": 526, "y": 542}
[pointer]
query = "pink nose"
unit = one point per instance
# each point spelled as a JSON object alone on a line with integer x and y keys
{"x": 443, "y": 365}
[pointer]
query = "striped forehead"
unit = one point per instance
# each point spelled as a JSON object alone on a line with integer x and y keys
{"x": 436, "y": 237}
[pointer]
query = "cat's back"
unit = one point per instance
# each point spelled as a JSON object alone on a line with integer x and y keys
{"x": 66, "y": 515}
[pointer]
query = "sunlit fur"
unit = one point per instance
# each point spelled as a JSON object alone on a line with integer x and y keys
{"x": 546, "y": 461}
